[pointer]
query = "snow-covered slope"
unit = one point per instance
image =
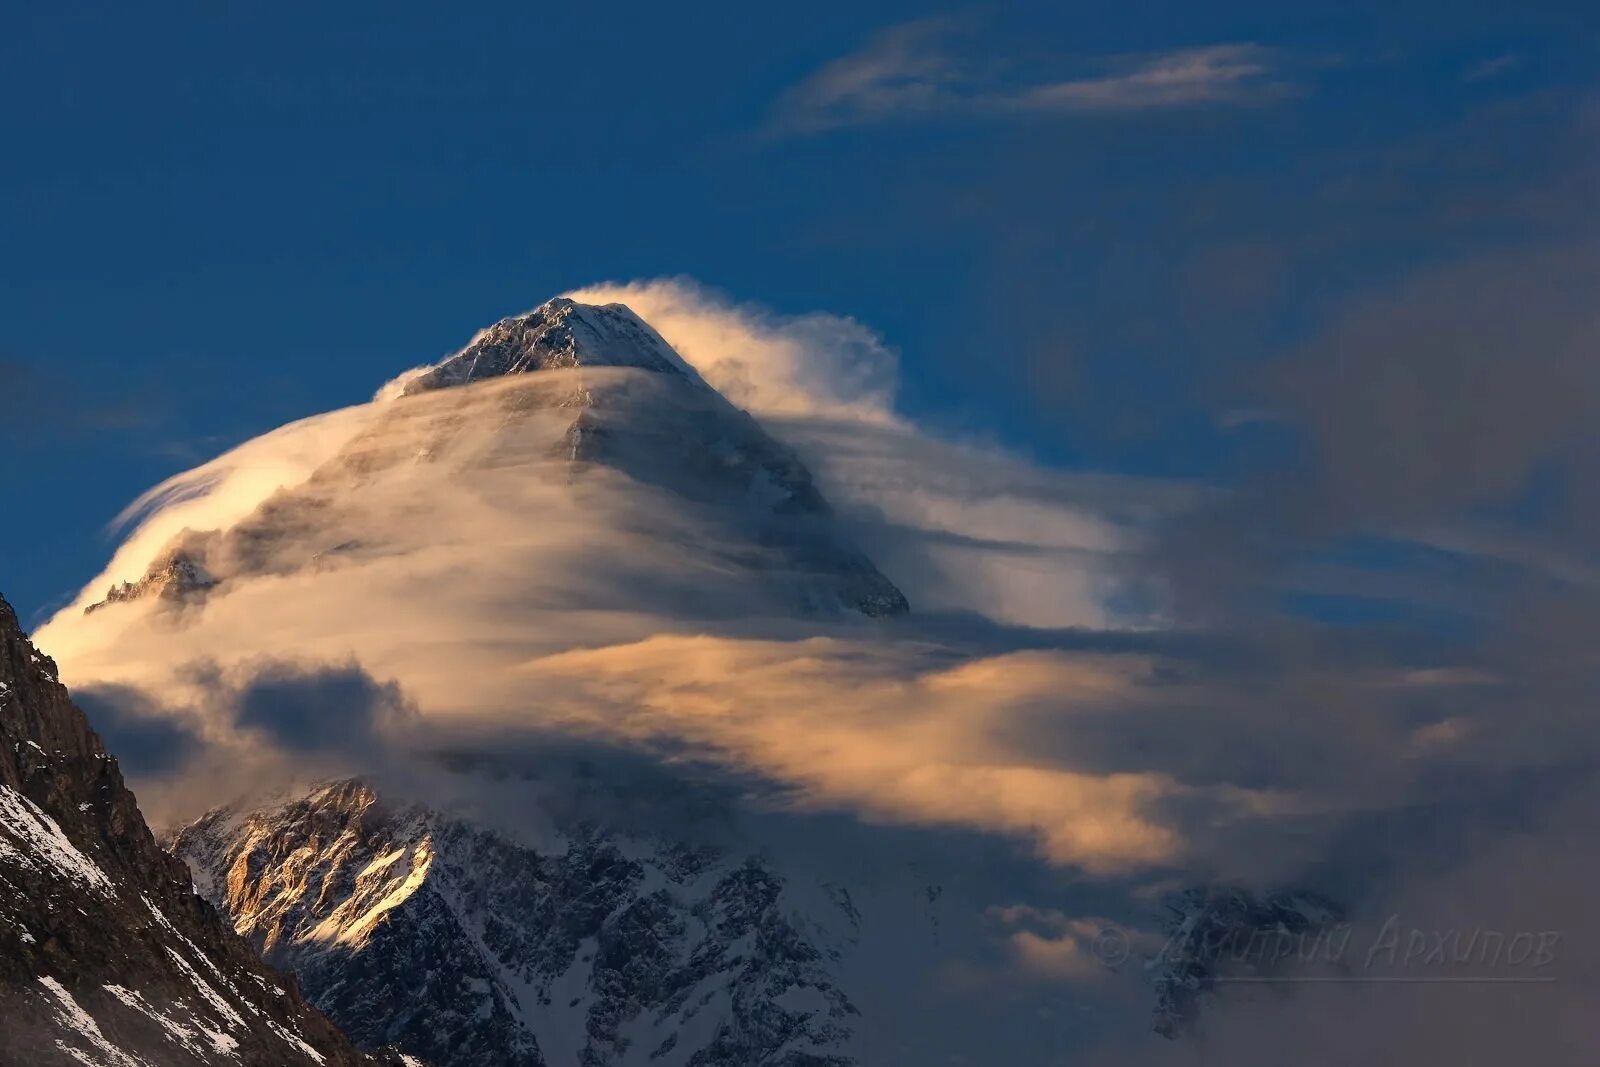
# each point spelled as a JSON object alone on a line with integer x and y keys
{"x": 559, "y": 333}
{"x": 107, "y": 956}
{"x": 464, "y": 947}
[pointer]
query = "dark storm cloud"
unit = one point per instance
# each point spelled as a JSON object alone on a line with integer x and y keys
{"x": 225, "y": 733}
{"x": 298, "y": 706}
{"x": 136, "y": 731}
{"x": 318, "y": 708}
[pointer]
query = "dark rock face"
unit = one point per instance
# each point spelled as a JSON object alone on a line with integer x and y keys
{"x": 175, "y": 578}
{"x": 1220, "y": 934}
{"x": 471, "y": 950}
{"x": 107, "y": 956}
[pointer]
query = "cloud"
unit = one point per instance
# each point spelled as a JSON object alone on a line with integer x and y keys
{"x": 425, "y": 546}
{"x": 429, "y": 545}
{"x": 1189, "y": 77}
{"x": 879, "y": 733}
{"x": 202, "y": 732}
{"x": 464, "y": 590}
{"x": 1031, "y": 554}
{"x": 1452, "y": 389}
{"x": 1406, "y": 584}
{"x": 766, "y": 363}
{"x": 903, "y": 70}
{"x": 972, "y": 528}
{"x": 1428, "y": 1010}
{"x": 1061, "y": 947}
{"x": 1442, "y": 417}
{"x": 137, "y": 731}
{"x": 1493, "y": 67}
{"x": 910, "y": 72}
{"x": 320, "y": 708}
{"x": 220, "y": 492}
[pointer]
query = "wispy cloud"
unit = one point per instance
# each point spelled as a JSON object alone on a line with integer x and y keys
{"x": 1189, "y": 77}
{"x": 1493, "y": 67}
{"x": 912, "y": 71}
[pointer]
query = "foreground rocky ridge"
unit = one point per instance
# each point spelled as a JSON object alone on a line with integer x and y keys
{"x": 107, "y": 956}
{"x": 471, "y": 950}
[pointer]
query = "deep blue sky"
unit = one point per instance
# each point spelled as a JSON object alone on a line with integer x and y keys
{"x": 218, "y": 217}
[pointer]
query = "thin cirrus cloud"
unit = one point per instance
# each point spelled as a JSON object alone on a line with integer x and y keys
{"x": 910, "y": 72}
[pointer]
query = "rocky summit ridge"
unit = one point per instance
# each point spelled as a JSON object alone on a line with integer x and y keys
{"x": 559, "y": 334}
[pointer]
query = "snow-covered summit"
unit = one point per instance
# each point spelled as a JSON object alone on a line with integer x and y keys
{"x": 560, "y": 333}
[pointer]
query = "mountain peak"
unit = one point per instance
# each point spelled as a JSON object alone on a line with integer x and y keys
{"x": 560, "y": 333}
{"x": 637, "y": 434}
{"x": 174, "y": 577}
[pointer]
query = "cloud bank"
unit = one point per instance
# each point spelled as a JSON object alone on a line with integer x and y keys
{"x": 1114, "y": 684}
{"x": 439, "y": 544}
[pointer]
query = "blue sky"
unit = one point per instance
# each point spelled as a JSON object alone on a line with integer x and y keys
{"x": 1092, "y": 231}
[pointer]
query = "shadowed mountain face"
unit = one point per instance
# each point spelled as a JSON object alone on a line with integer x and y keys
{"x": 586, "y": 404}
{"x": 107, "y": 956}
